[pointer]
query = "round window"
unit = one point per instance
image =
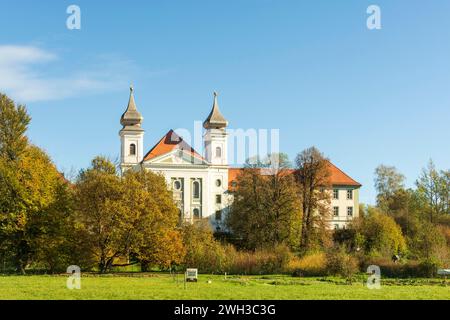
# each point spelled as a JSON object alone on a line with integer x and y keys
{"x": 218, "y": 182}
{"x": 177, "y": 185}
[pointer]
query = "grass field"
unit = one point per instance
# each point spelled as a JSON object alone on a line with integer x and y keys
{"x": 164, "y": 286}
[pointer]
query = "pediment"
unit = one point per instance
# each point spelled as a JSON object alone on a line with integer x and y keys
{"x": 177, "y": 157}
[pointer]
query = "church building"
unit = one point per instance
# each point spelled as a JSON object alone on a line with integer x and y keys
{"x": 201, "y": 183}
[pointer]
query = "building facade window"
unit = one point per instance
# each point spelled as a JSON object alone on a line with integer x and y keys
{"x": 349, "y": 194}
{"x": 219, "y": 215}
{"x": 177, "y": 185}
{"x": 335, "y": 194}
{"x": 350, "y": 211}
{"x": 218, "y": 152}
{"x": 218, "y": 183}
{"x": 336, "y": 227}
{"x": 196, "y": 190}
{"x": 218, "y": 198}
{"x": 336, "y": 211}
{"x": 132, "y": 149}
{"x": 196, "y": 212}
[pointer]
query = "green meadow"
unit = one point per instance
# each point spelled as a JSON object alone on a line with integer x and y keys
{"x": 209, "y": 287}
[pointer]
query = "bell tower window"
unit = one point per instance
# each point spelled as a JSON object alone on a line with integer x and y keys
{"x": 218, "y": 152}
{"x": 132, "y": 149}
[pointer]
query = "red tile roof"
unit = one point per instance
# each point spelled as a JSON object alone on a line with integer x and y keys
{"x": 337, "y": 176}
{"x": 232, "y": 175}
{"x": 169, "y": 142}
{"x": 340, "y": 178}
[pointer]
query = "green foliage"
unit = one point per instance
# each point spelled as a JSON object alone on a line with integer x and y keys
{"x": 426, "y": 268}
{"x": 132, "y": 216}
{"x": 14, "y": 121}
{"x": 34, "y": 205}
{"x": 339, "y": 262}
{"x": 388, "y": 181}
{"x": 202, "y": 250}
{"x": 434, "y": 187}
{"x": 377, "y": 234}
{"x": 429, "y": 242}
{"x": 265, "y": 211}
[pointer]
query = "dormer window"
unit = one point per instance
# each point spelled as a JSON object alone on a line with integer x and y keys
{"x": 132, "y": 149}
{"x": 218, "y": 152}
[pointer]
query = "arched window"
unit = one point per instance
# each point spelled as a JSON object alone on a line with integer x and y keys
{"x": 132, "y": 149}
{"x": 218, "y": 152}
{"x": 196, "y": 213}
{"x": 196, "y": 190}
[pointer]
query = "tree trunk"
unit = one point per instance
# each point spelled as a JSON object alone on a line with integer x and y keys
{"x": 145, "y": 266}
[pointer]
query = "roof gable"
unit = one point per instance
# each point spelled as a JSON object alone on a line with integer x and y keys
{"x": 168, "y": 143}
{"x": 340, "y": 178}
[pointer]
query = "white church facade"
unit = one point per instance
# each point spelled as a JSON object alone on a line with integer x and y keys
{"x": 201, "y": 183}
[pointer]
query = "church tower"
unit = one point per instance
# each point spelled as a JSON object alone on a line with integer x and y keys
{"x": 216, "y": 137}
{"x": 131, "y": 136}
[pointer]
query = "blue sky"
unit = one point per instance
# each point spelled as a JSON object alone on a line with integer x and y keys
{"x": 309, "y": 68}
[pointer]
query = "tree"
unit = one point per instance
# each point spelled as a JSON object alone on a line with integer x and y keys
{"x": 388, "y": 182}
{"x": 378, "y": 234}
{"x": 313, "y": 179}
{"x": 428, "y": 242}
{"x": 266, "y": 209}
{"x": 123, "y": 217}
{"x": 32, "y": 191}
{"x": 14, "y": 122}
{"x": 34, "y": 197}
{"x": 154, "y": 220}
{"x": 434, "y": 188}
{"x": 97, "y": 196}
{"x": 444, "y": 191}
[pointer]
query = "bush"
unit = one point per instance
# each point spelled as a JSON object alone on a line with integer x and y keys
{"x": 339, "y": 262}
{"x": 412, "y": 269}
{"x": 262, "y": 261}
{"x": 203, "y": 251}
{"x": 378, "y": 234}
{"x": 428, "y": 268}
{"x": 311, "y": 265}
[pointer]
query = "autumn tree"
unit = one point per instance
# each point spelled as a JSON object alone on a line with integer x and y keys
{"x": 378, "y": 234}
{"x": 154, "y": 220}
{"x": 32, "y": 192}
{"x": 266, "y": 211}
{"x": 128, "y": 216}
{"x": 313, "y": 179}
